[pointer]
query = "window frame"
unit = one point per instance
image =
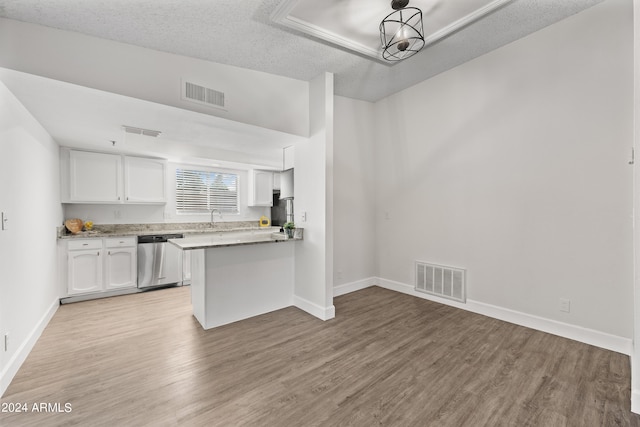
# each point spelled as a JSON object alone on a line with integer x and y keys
{"x": 212, "y": 175}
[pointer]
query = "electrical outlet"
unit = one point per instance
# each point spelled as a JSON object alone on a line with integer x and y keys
{"x": 339, "y": 274}
{"x": 303, "y": 216}
{"x": 116, "y": 214}
{"x": 565, "y": 305}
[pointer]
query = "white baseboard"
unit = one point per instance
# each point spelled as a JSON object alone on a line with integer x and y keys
{"x": 347, "y": 288}
{"x": 322, "y": 313}
{"x": 11, "y": 369}
{"x": 577, "y": 333}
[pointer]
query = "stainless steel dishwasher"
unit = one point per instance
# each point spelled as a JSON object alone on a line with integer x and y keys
{"x": 159, "y": 262}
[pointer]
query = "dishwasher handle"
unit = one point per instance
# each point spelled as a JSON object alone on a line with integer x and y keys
{"x": 159, "y": 258}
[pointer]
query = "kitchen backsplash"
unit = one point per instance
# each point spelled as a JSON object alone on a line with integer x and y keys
{"x": 145, "y": 228}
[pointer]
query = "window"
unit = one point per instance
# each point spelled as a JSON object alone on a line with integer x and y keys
{"x": 200, "y": 191}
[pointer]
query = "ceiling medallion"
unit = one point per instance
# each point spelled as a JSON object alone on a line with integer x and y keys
{"x": 401, "y": 32}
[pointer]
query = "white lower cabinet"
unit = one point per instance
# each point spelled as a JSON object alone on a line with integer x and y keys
{"x": 120, "y": 269}
{"x": 85, "y": 271}
{"x": 101, "y": 265}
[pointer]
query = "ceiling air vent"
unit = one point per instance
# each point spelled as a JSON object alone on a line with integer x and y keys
{"x": 140, "y": 131}
{"x": 202, "y": 95}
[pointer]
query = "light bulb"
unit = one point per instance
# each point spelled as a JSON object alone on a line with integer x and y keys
{"x": 403, "y": 44}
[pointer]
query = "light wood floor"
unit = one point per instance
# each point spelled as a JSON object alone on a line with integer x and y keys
{"x": 386, "y": 359}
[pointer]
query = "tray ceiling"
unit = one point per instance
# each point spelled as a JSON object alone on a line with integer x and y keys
{"x": 354, "y": 24}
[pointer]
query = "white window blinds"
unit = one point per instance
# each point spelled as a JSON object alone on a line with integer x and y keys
{"x": 201, "y": 191}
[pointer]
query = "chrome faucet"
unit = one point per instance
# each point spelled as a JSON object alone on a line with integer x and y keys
{"x": 212, "y": 211}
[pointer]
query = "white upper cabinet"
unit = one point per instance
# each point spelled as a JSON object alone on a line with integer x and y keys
{"x": 287, "y": 158}
{"x": 286, "y": 184}
{"x": 276, "y": 180}
{"x": 260, "y": 188}
{"x": 88, "y": 177}
{"x": 144, "y": 180}
{"x": 94, "y": 177}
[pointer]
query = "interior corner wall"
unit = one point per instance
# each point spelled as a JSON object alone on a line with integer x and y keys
{"x": 30, "y": 199}
{"x": 313, "y": 199}
{"x": 354, "y": 192}
{"x": 514, "y": 166}
{"x": 635, "y": 352}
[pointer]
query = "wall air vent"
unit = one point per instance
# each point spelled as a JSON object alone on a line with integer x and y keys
{"x": 140, "y": 131}
{"x": 202, "y": 95}
{"x": 445, "y": 282}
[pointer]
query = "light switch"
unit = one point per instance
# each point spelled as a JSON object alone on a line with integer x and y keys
{"x": 303, "y": 216}
{"x": 4, "y": 220}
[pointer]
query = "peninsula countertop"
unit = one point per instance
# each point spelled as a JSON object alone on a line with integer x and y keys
{"x": 231, "y": 238}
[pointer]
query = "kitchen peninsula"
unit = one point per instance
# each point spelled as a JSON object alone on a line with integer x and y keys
{"x": 237, "y": 275}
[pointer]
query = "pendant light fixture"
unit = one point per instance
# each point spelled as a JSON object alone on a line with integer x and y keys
{"x": 401, "y": 32}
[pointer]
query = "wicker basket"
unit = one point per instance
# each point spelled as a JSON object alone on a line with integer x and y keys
{"x": 73, "y": 225}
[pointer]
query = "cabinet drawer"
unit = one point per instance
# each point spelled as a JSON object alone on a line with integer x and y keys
{"x": 121, "y": 242}
{"x": 78, "y": 245}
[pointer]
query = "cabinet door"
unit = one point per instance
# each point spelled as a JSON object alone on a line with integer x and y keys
{"x": 287, "y": 158}
{"x": 144, "y": 180}
{"x": 94, "y": 177}
{"x": 286, "y": 184}
{"x": 260, "y": 188}
{"x": 85, "y": 271}
{"x": 120, "y": 268}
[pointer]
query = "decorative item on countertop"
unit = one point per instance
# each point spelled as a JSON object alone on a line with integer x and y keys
{"x": 289, "y": 229}
{"x": 73, "y": 225}
{"x": 264, "y": 221}
{"x": 88, "y": 225}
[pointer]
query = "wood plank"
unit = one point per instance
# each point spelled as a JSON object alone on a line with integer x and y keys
{"x": 386, "y": 359}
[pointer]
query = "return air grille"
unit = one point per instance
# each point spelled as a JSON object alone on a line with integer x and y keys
{"x": 202, "y": 95}
{"x": 446, "y": 282}
{"x": 140, "y": 131}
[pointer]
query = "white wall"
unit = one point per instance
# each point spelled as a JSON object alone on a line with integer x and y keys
{"x": 252, "y": 97}
{"x": 514, "y": 166}
{"x": 635, "y": 354}
{"x": 30, "y": 195}
{"x": 129, "y": 214}
{"x": 354, "y": 192}
{"x": 313, "y": 194}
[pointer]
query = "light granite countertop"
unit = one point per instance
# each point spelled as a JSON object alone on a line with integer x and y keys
{"x": 237, "y": 238}
{"x": 188, "y": 228}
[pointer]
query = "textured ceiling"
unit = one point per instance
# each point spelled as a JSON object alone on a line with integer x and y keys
{"x": 241, "y": 33}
